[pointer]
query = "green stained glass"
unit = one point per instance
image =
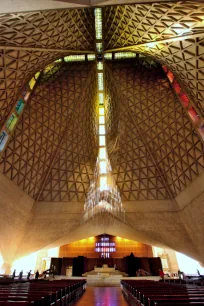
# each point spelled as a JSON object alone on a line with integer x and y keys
{"x": 11, "y": 122}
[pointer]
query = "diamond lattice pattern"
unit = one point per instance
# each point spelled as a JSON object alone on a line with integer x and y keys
{"x": 16, "y": 69}
{"x": 140, "y": 23}
{"x": 155, "y": 152}
{"x": 55, "y": 29}
{"x": 133, "y": 25}
{"x": 53, "y": 150}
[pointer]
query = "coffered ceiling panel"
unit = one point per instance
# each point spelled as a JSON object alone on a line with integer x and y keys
{"x": 57, "y": 29}
{"x": 16, "y": 69}
{"x": 140, "y": 23}
{"x": 159, "y": 30}
{"x": 154, "y": 149}
{"x": 53, "y": 150}
{"x": 186, "y": 59}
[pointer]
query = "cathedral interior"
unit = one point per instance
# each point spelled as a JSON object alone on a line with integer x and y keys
{"x": 143, "y": 64}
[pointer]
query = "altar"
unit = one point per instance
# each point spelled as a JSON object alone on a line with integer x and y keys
{"x": 104, "y": 269}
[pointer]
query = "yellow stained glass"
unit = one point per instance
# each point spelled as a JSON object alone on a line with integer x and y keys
{"x": 98, "y": 23}
{"x": 91, "y": 57}
{"x": 100, "y": 66}
{"x": 102, "y": 130}
{"x": 120, "y": 55}
{"x": 102, "y": 140}
{"x": 100, "y": 98}
{"x": 101, "y": 119}
{"x": 37, "y": 75}
{"x": 101, "y": 111}
{"x": 99, "y": 47}
{"x": 74, "y": 58}
{"x": 32, "y": 83}
{"x": 100, "y": 81}
{"x": 102, "y": 153}
{"x": 58, "y": 60}
{"x": 108, "y": 56}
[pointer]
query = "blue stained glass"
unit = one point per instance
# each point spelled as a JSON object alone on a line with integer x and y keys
{"x": 3, "y": 140}
{"x": 19, "y": 106}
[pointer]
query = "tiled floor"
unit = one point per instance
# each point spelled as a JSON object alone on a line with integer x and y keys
{"x": 102, "y": 296}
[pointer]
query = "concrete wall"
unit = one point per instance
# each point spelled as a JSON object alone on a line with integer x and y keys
{"x": 161, "y": 223}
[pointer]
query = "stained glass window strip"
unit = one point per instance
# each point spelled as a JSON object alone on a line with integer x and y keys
{"x": 74, "y": 58}
{"x": 19, "y": 106}
{"x": 123, "y": 55}
{"x": 11, "y": 122}
{"x": 105, "y": 247}
{"x": 100, "y": 66}
{"x": 100, "y": 81}
{"x": 98, "y": 23}
{"x": 3, "y": 140}
{"x": 91, "y": 57}
{"x": 108, "y": 56}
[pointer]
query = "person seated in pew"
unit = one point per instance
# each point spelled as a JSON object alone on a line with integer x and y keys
{"x": 161, "y": 274}
{"x": 142, "y": 272}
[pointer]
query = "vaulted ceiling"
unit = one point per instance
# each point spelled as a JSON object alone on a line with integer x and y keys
{"x": 155, "y": 150}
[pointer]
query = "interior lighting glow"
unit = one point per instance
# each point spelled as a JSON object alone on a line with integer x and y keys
{"x": 74, "y": 58}
{"x": 103, "y": 182}
{"x": 101, "y": 119}
{"x": 91, "y": 57}
{"x": 108, "y": 56}
{"x": 103, "y": 167}
{"x": 1, "y": 262}
{"x": 26, "y": 263}
{"x": 100, "y": 81}
{"x": 152, "y": 45}
{"x": 58, "y": 60}
{"x": 98, "y": 22}
{"x": 120, "y": 55}
{"x": 102, "y": 153}
{"x": 188, "y": 265}
{"x": 100, "y": 66}
{"x": 101, "y": 111}
{"x": 182, "y": 31}
{"x": 99, "y": 47}
{"x": 54, "y": 252}
{"x": 100, "y": 98}
{"x": 102, "y": 140}
{"x": 102, "y": 130}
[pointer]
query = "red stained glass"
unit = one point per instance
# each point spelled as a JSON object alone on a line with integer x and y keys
{"x": 194, "y": 116}
{"x": 165, "y": 68}
{"x": 184, "y": 99}
{"x": 170, "y": 76}
{"x": 176, "y": 87}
